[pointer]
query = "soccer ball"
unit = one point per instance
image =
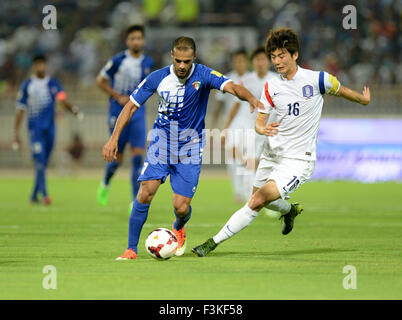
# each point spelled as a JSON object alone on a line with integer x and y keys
{"x": 161, "y": 244}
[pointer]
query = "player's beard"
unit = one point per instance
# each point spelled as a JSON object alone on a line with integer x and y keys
{"x": 40, "y": 74}
{"x": 182, "y": 75}
{"x": 136, "y": 50}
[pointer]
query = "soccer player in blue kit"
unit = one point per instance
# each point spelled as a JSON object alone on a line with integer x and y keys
{"x": 38, "y": 95}
{"x": 177, "y": 137}
{"x": 119, "y": 77}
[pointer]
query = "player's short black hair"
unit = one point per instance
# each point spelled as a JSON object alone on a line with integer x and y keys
{"x": 135, "y": 27}
{"x": 39, "y": 58}
{"x": 257, "y": 51}
{"x": 184, "y": 43}
{"x": 239, "y": 52}
{"x": 283, "y": 38}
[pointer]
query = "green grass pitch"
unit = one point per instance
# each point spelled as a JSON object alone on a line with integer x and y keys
{"x": 343, "y": 224}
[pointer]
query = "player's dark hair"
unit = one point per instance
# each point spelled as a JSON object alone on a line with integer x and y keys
{"x": 135, "y": 27}
{"x": 39, "y": 58}
{"x": 239, "y": 52}
{"x": 184, "y": 43}
{"x": 283, "y": 38}
{"x": 257, "y": 51}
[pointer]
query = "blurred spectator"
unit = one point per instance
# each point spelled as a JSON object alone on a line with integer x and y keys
{"x": 89, "y": 30}
{"x": 76, "y": 149}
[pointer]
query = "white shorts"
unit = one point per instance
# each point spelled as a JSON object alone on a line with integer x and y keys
{"x": 289, "y": 174}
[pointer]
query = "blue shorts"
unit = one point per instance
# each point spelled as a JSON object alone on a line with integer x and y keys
{"x": 41, "y": 144}
{"x": 183, "y": 177}
{"x": 134, "y": 133}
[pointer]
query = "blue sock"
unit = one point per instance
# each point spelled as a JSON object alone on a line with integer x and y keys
{"x": 139, "y": 215}
{"x": 34, "y": 195}
{"x": 111, "y": 168}
{"x": 180, "y": 222}
{"x": 136, "y": 162}
{"x": 40, "y": 184}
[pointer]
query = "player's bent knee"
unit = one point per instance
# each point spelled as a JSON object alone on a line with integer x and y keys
{"x": 145, "y": 194}
{"x": 136, "y": 151}
{"x": 181, "y": 206}
{"x": 270, "y": 191}
{"x": 181, "y": 209}
{"x": 257, "y": 201}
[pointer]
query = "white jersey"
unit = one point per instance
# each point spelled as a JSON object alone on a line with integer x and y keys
{"x": 296, "y": 104}
{"x": 227, "y": 98}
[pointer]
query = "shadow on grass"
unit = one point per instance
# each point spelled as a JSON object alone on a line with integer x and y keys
{"x": 283, "y": 252}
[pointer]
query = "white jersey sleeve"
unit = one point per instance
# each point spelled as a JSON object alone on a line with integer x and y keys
{"x": 328, "y": 83}
{"x": 266, "y": 100}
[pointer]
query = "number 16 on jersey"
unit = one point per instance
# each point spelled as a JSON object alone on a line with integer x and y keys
{"x": 294, "y": 109}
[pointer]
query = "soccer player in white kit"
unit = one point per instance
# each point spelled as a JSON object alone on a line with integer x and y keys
{"x": 241, "y": 123}
{"x": 240, "y": 66}
{"x": 293, "y": 103}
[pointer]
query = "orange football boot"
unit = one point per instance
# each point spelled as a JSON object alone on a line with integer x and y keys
{"x": 129, "y": 254}
{"x": 181, "y": 240}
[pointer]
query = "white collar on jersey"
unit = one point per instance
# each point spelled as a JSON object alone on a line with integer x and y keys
{"x": 298, "y": 71}
{"x": 185, "y": 79}
{"x": 128, "y": 54}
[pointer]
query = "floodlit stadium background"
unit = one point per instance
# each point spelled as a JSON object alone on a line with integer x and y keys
{"x": 355, "y": 142}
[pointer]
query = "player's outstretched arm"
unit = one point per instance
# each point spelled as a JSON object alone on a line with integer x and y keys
{"x": 243, "y": 94}
{"x": 73, "y": 109}
{"x": 351, "y": 95}
{"x": 110, "y": 148}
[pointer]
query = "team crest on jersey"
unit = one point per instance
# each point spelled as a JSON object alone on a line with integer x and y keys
{"x": 196, "y": 85}
{"x": 307, "y": 91}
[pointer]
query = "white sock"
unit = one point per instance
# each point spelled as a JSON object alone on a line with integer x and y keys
{"x": 282, "y": 206}
{"x": 237, "y": 222}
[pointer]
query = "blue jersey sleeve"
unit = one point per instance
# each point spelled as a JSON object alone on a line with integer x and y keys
{"x": 22, "y": 97}
{"x": 215, "y": 79}
{"x": 146, "y": 88}
{"x": 55, "y": 86}
{"x": 112, "y": 66}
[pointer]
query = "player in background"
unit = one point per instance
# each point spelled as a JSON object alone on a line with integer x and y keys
{"x": 119, "y": 77}
{"x": 240, "y": 65}
{"x": 37, "y": 96}
{"x": 176, "y": 146}
{"x": 248, "y": 151}
{"x": 293, "y": 103}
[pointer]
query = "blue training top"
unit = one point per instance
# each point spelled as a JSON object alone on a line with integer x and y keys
{"x": 125, "y": 72}
{"x": 38, "y": 96}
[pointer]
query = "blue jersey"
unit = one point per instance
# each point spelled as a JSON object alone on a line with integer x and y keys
{"x": 182, "y": 102}
{"x": 177, "y": 138}
{"x": 125, "y": 73}
{"x": 38, "y": 97}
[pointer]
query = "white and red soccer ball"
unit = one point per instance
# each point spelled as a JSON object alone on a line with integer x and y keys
{"x": 161, "y": 244}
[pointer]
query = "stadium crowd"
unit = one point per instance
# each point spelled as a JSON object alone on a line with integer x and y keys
{"x": 90, "y": 31}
